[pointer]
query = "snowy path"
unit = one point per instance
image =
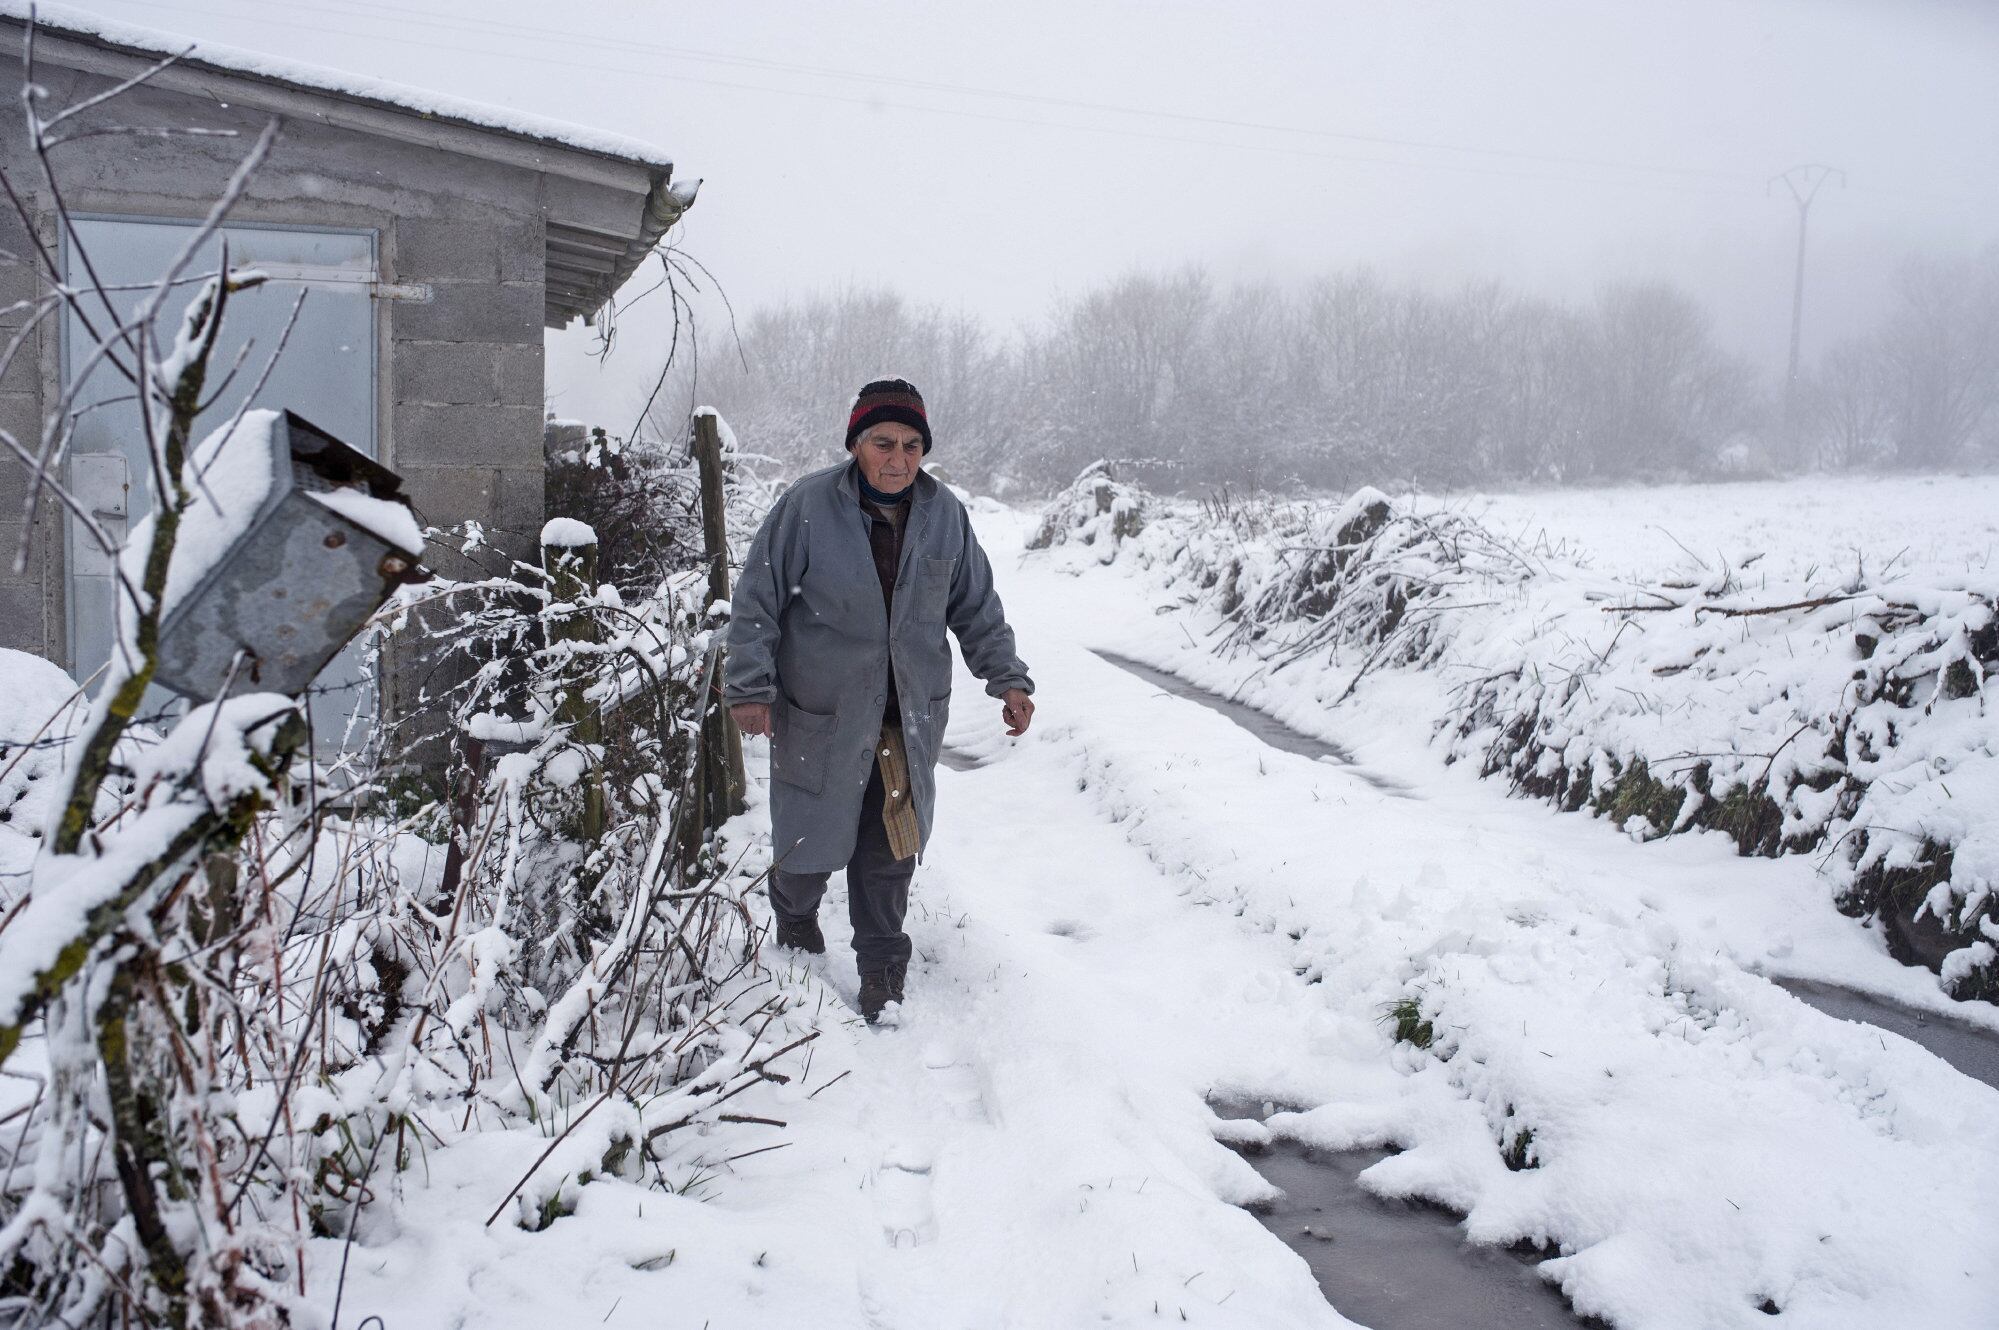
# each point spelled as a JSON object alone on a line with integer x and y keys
{"x": 1141, "y": 907}
{"x": 1041, "y": 1152}
{"x": 1143, "y": 904}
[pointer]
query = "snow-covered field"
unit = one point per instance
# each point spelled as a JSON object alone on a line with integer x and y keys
{"x": 1139, "y": 909}
{"x": 1928, "y": 525}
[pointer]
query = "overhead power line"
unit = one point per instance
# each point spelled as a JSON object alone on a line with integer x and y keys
{"x": 900, "y": 80}
{"x": 753, "y": 64}
{"x": 1689, "y": 178}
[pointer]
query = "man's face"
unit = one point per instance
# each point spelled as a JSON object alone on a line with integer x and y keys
{"x": 889, "y": 455}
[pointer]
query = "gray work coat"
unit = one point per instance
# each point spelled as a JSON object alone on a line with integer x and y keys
{"x": 808, "y": 635}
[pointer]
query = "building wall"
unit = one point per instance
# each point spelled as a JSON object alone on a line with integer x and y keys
{"x": 31, "y": 597}
{"x": 459, "y": 373}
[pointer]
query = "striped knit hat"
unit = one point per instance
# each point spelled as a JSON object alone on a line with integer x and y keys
{"x": 888, "y": 399}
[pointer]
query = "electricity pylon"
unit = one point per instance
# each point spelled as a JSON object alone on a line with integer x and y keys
{"x": 1804, "y": 182}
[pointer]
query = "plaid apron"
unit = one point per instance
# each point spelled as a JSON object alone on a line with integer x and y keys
{"x": 905, "y": 834}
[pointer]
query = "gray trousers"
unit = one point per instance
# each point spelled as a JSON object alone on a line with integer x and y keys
{"x": 877, "y": 890}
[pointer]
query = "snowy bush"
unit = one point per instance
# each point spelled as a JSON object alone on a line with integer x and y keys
{"x": 1828, "y": 715}
{"x": 353, "y": 989}
{"x": 245, "y": 995}
{"x": 1794, "y": 720}
{"x": 1096, "y": 510}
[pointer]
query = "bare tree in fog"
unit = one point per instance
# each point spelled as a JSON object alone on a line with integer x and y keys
{"x": 802, "y": 362}
{"x": 1848, "y": 408}
{"x": 1352, "y": 379}
{"x": 1669, "y": 400}
{"x": 1941, "y": 349}
{"x": 1120, "y": 361}
{"x": 1923, "y": 391}
{"x": 1240, "y": 380}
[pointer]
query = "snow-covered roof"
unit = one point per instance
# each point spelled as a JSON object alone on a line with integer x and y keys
{"x": 595, "y": 240}
{"x": 73, "y": 22}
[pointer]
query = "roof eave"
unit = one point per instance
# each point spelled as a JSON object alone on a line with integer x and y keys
{"x": 359, "y": 111}
{"x": 665, "y": 204}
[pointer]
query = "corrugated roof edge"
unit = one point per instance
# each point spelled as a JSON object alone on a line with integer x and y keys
{"x": 67, "y": 21}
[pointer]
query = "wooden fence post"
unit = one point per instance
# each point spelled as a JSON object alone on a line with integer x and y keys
{"x": 721, "y": 778}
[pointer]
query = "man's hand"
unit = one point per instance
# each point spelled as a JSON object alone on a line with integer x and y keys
{"x": 1017, "y": 710}
{"x": 752, "y": 717}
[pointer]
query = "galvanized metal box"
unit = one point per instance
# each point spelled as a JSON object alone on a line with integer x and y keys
{"x": 319, "y": 557}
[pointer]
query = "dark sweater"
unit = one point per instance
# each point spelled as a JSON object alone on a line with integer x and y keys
{"x": 885, "y": 523}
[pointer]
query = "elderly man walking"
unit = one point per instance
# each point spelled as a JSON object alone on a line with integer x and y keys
{"x": 837, "y": 651}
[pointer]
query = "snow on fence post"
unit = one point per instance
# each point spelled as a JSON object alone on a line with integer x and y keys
{"x": 721, "y": 767}
{"x": 569, "y": 557}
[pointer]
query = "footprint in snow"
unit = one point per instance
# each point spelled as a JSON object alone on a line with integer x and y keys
{"x": 902, "y": 1195}
{"x": 957, "y": 1080}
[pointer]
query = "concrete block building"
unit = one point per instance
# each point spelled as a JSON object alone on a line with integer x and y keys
{"x": 433, "y": 241}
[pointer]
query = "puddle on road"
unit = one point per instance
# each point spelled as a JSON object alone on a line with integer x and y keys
{"x": 1395, "y": 1265}
{"x": 1272, "y": 731}
{"x": 1972, "y": 1049}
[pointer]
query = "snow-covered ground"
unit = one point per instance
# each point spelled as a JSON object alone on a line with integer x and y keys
{"x": 1930, "y": 526}
{"x": 1140, "y": 908}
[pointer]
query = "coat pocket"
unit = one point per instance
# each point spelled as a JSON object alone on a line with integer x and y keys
{"x": 923, "y": 734}
{"x": 933, "y": 586}
{"x": 801, "y": 747}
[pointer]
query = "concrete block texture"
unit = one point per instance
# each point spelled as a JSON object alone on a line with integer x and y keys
{"x": 523, "y": 251}
{"x": 523, "y": 374}
{"x": 471, "y": 312}
{"x": 505, "y": 502}
{"x": 312, "y": 164}
{"x": 13, "y": 488}
{"x": 446, "y": 249}
{"x": 466, "y": 436}
{"x": 446, "y": 496}
{"x": 23, "y": 374}
{"x": 20, "y": 416}
{"x": 22, "y": 624}
{"x": 468, "y": 373}
{"x": 523, "y": 491}
{"x": 447, "y": 373}
{"x": 20, "y": 279}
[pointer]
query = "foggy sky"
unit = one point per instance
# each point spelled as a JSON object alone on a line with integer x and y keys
{"x": 1555, "y": 144}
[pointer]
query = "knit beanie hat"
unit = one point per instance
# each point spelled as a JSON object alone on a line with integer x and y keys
{"x": 888, "y": 399}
